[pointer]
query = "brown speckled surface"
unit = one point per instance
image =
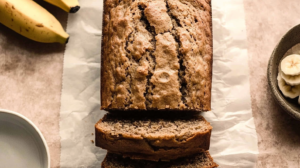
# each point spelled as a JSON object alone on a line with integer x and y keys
{"x": 31, "y": 79}
{"x": 278, "y": 134}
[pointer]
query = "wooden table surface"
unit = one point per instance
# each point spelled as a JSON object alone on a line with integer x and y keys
{"x": 31, "y": 81}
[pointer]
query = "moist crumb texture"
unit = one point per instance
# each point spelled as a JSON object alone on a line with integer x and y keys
{"x": 201, "y": 160}
{"x": 153, "y": 139}
{"x": 156, "y": 54}
{"x": 180, "y": 129}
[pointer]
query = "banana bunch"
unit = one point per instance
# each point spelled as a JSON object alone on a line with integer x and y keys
{"x": 289, "y": 76}
{"x": 29, "y": 19}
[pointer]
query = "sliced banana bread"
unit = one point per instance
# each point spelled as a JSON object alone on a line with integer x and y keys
{"x": 151, "y": 138}
{"x": 200, "y": 160}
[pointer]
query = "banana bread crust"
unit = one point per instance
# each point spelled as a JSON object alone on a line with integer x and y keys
{"x": 201, "y": 160}
{"x": 153, "y": 144}
{"x": 156, "y": 55}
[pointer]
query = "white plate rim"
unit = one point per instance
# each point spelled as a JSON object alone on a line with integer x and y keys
{"x": 34, "y": 126}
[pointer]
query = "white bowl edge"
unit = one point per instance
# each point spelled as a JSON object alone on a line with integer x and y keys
{"x": 34, "y": 126}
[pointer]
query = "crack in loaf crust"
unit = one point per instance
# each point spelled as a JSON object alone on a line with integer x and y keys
{"x": 156, "y": 54}
{"x": 151, "y": 138}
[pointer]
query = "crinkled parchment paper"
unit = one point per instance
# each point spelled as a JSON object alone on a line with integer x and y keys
{"x": 233, "y": 141}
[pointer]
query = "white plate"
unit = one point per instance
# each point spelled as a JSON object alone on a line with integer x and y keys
{"x": 22, "y": 145}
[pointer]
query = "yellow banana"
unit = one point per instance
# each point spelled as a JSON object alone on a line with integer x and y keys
{"x": 71, "y": 6}
{"x": 31, "y": 20}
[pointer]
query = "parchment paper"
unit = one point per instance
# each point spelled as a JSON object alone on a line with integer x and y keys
{"x": 233, "y": 141}
{"x": 80, "y": 100}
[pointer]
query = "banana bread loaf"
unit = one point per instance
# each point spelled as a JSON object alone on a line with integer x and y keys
{"x": 151, "y": 138}
{"x": 201, "y": 160}
{"x": 156, "y": 55}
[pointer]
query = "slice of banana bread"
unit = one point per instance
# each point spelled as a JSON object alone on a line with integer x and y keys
{"x": 156, "y": 55}
{"x": 200, "y": 160}
{"x": 151, "y": 138}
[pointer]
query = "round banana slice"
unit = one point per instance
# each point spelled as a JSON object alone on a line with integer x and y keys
{"x": 290, "y": 65}
{"x": 290, "y": 80}
{"x": 287, "y": 90}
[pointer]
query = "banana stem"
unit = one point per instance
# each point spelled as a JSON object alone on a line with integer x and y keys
{"x": 74, "y": 9}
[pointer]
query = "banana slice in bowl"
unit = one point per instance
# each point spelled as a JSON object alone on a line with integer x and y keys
{"x": 286, "y": 89}
{"x": 290, "y": 80}
{"x": 290, "y": 65}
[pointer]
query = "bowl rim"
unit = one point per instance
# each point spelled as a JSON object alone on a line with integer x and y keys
{"x": 273, "y": 85}
{"x": 35, "y": 127}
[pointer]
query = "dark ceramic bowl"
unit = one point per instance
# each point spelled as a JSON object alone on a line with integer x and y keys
{"x": 290, "y": 39}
